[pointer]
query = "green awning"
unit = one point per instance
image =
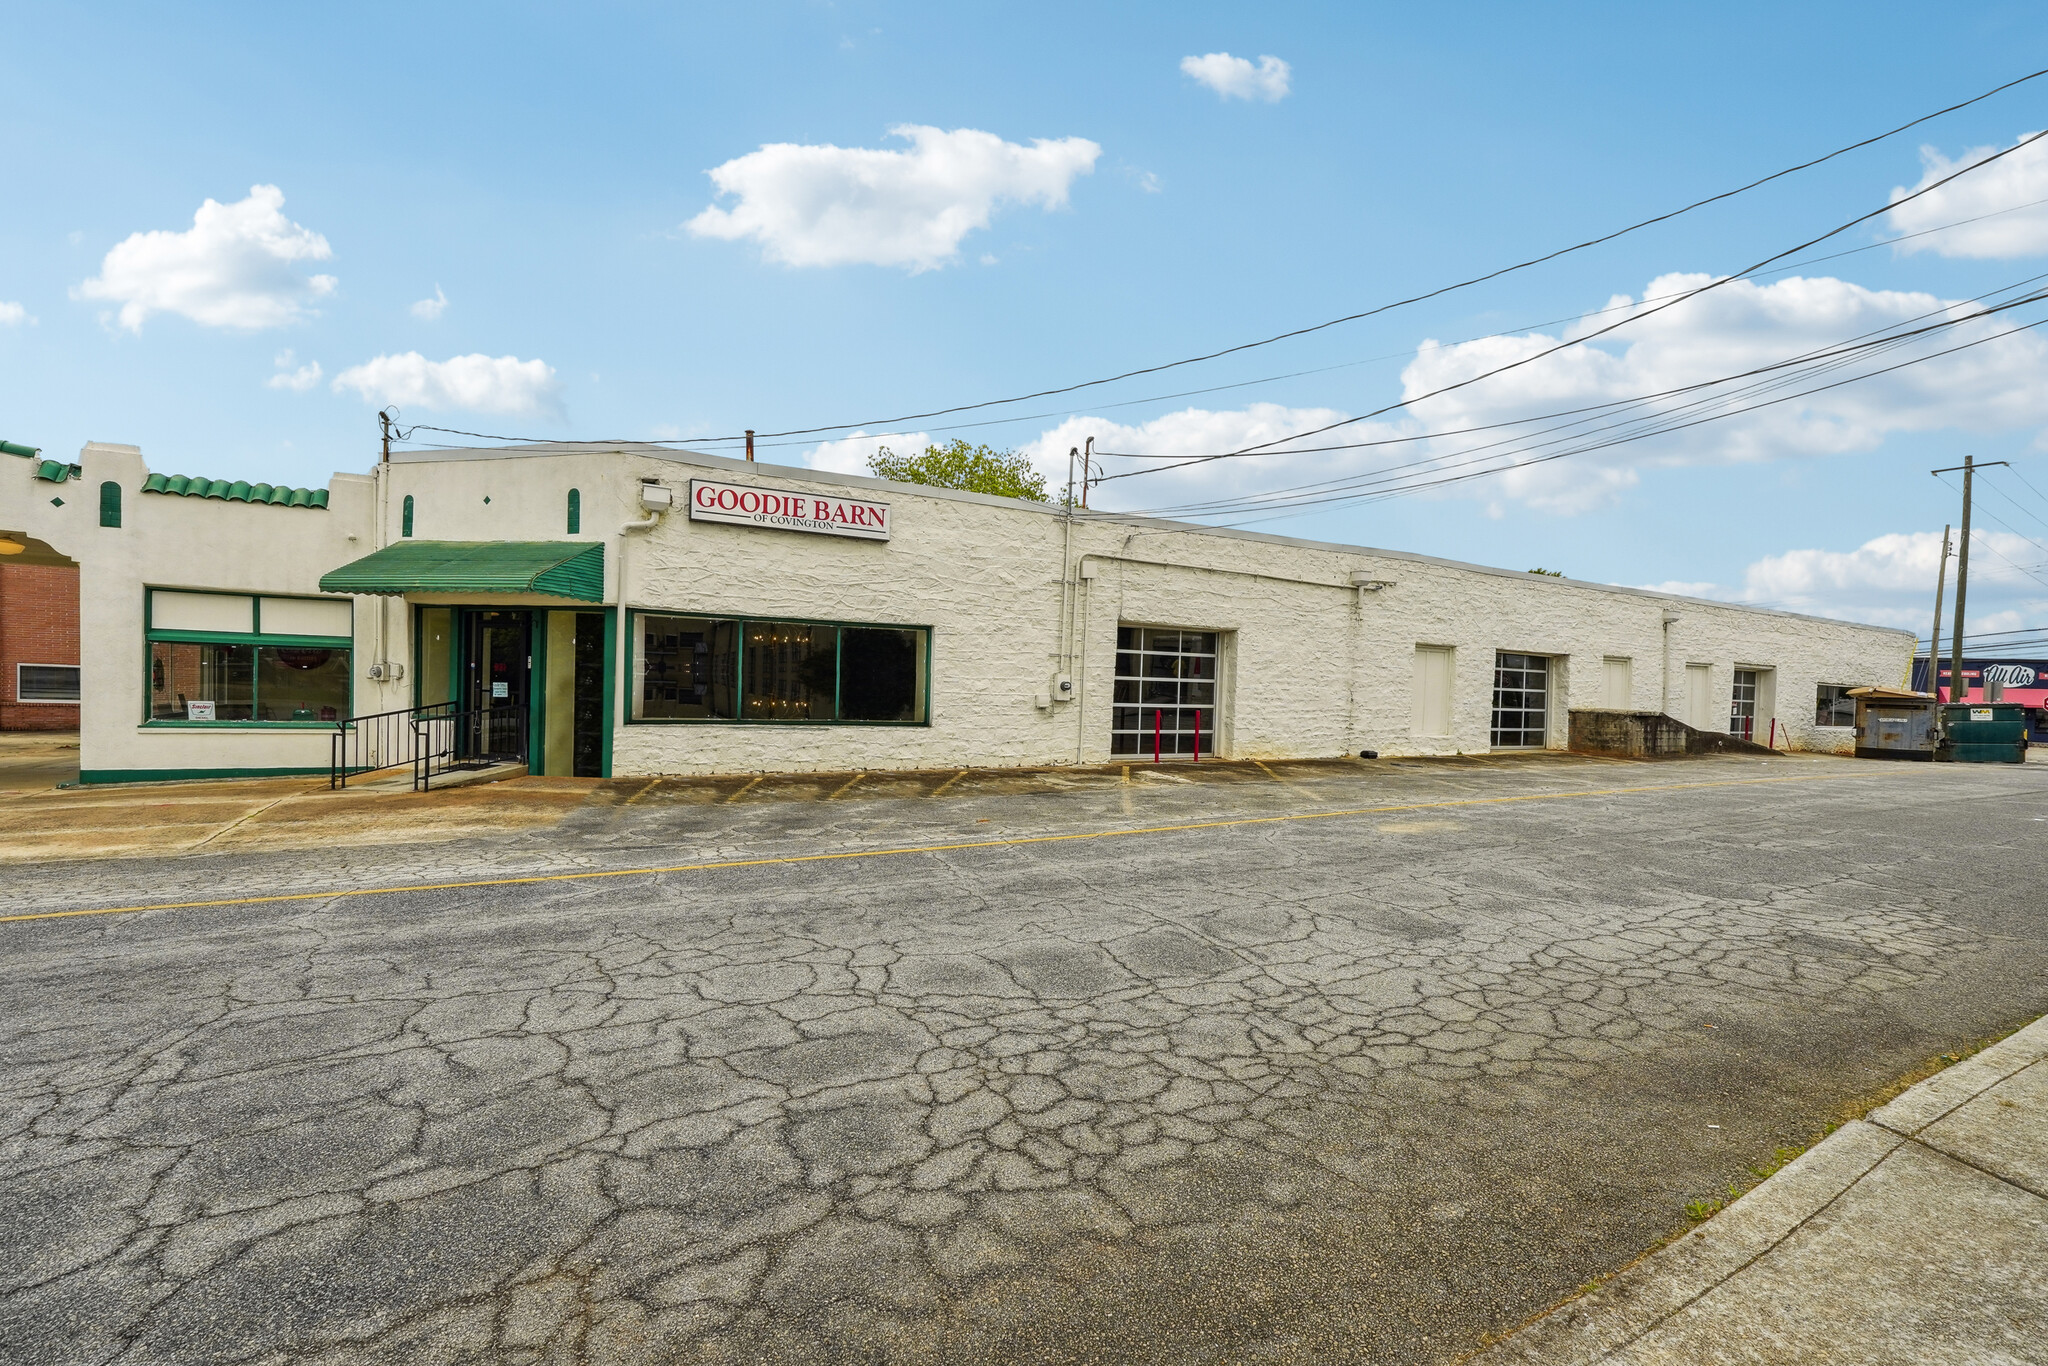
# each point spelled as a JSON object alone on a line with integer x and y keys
{"x": 565, "y": 569}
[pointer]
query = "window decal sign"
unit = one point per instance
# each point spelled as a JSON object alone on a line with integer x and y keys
{"x": 784, "y": 510}
{"x": 198, "y": 711}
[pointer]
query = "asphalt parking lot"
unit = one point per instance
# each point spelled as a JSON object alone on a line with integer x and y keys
{"x": 1289, "y": 1063}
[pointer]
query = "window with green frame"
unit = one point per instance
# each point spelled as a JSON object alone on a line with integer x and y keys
{"x": 247, "y": 659}
{"x": 721, "y": 669}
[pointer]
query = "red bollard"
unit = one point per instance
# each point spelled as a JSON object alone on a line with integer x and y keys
{"x": 1155, "y": 735}
{"x": 1198, "y": 737}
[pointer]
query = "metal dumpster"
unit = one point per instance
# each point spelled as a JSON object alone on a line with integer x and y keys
{"x": 1986, "y": 734}
{"x": 1892, "y": 723}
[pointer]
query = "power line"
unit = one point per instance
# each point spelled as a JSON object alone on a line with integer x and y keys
{"x": 1802, "y": 366}
{"x": 1413, "y": 299}
{"x": 1264, "y": 502}
{"x": 1660, "y": 308}
{"x": 1403, "y": 354}
{"x": 1276, "y": 448}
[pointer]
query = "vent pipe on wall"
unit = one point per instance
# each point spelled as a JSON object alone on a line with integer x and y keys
{"x": 750, "y": 443}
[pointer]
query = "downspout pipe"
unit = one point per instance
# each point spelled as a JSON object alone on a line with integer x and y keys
{"x": 647, "y": 523}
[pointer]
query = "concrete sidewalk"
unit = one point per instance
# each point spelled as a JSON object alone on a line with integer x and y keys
{"x": 1917, "y": 1235}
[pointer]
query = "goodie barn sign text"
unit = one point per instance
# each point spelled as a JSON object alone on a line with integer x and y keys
{"x": 787, "y": 511}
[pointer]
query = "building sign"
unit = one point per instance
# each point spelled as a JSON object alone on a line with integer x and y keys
{"x": 786, "y": 511}
{"x": 198, "y": 711}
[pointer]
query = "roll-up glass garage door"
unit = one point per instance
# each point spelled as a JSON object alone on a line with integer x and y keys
{"x": 1521, "y": 700}
{"x": 1165, "y": 687}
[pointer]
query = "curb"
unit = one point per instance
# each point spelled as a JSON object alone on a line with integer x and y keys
{"x": 1605, "y": 1324}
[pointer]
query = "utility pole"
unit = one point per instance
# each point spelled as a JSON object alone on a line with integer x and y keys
{"x": 384, "y": 421}
{"x": 1958, "y": 686}
{"x": 1934, "y": 637}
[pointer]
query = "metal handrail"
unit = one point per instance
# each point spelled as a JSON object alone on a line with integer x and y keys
{"x": 377, "y": 740}
{"x": 471, "y": 738}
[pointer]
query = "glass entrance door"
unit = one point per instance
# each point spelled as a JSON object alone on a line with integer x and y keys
{"x": 498, "y": 676}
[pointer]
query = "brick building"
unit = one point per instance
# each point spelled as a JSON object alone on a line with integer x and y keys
{"x": 38, "y": 636}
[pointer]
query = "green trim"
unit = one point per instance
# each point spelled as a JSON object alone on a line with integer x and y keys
{"x": 245, "y": 638}
{"x": 173, "y": 775}
{"x": 405, "y": 518}
{"x": 16, "y": 448}
{"x": 611, "y": 688}
{"x": 563, "y": 569}
{"x": 740, "y": 672}
{"x": 159, "y": 724}
{"x": 110, "y": 504}
{"x": 575, "y": 512}
{"x": 56, "y": 471}
{"x": 236, "y": 491}
{"x": 537, "y": 690}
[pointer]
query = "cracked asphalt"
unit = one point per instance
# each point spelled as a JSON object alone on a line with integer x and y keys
{"x": 1357, "y": 1087}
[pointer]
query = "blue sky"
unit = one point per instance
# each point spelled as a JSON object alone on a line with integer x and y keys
{"x": 1082, "y": 201}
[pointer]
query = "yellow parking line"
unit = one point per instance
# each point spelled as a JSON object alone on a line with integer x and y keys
{"x": 950, "y": 781}
{"x": 924, "y": 848}
{"x": 845, "y": 785}
{"x": 745, "y": 788}
{"x": 652, "y": 783}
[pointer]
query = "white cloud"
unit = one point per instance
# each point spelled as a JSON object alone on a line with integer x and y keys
{"x": 1889, "y": 581}
{"x": 476, "y": 383}
{"x": 297, "y": 380}
{"x": 1738, "y": 326}
{"x": 850, "y": 456}
{"x": 429, "y": 309}
{"x": 826, "y": 206}
{"x": 13, "y": 315}
{"x": 1236, "y": 78}
{"x": 232, "y": 268}
{"x": 2018, "y": 179}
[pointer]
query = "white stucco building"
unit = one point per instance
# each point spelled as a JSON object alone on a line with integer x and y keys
{"x": 636, "y": 610}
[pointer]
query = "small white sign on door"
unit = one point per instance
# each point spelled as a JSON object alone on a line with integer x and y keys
{"x": 198, "y": 711}
{"x": 500, "y": 690}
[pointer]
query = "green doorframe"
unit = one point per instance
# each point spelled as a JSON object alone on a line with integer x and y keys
{"x": 611, "y": 686}
{"x": 461, "y": 636}
{"x": 537, "y": 691}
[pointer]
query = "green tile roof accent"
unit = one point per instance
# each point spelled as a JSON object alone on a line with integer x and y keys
{"x": 16, "y": 448}
{"x": 236, "y": 491}
{"x": 564, "y": 569}
{"x": 56, "y": 471}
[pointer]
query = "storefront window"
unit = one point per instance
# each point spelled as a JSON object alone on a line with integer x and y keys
{"x": 241, "y": 659}
{"x": 689, "y": 669}
{"x": 192, "y": 681}
{"x": 790, "y": 671}
{"x": 704, "y": 669}
{"x": 879, "y": 674}
{"x": 301, "y": 683}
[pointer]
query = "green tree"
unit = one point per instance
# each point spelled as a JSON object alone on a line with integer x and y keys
{"x": 957, "y": 465}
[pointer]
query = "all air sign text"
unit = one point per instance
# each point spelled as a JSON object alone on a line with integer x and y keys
{"x": 787, "y": 511}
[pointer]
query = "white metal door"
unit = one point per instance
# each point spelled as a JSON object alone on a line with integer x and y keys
{"x": 1699, "y": 696}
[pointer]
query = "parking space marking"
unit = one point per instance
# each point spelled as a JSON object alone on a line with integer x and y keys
{"x": 745, "y": 788}
{"x": 950, "y": 781}
{"x": 845, "y": 786}
{"x": 1016, "y": 841}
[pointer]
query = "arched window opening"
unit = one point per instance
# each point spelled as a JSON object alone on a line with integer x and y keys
{"x": 405, "y": 517}
{"x": 575, "y": 511}
{"x": 110, "y": 504}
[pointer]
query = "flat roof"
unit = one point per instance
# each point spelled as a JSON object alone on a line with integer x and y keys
{"x": 726, "y": 464}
